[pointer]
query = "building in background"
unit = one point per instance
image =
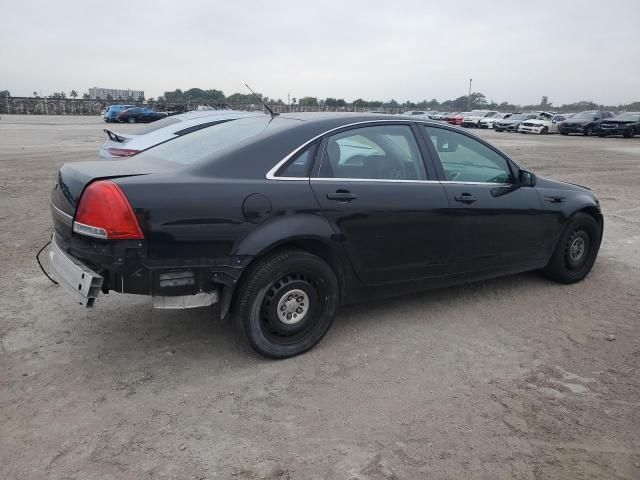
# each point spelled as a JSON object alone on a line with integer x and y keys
{"x": 99, "y": 93}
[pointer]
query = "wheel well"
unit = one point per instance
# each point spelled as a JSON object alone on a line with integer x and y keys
{"x": 595, "y": 213}
{"x": 315, "y": 247}
{"x": 310, "y": 245}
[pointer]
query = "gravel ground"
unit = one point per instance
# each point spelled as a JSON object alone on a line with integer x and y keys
{"x": 506, "y": 379}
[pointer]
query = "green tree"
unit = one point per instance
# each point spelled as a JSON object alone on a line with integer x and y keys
{"x": 308, "y": 102}
{"x": 545, "y": 104}
{"x": 73, "y": 94}
{"x": 360, "y": 103}
{"x": 86, "y": 96}
{"x": 335, "y": 102}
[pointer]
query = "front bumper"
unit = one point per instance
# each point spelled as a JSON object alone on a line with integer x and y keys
{"x": 619, "y": 130}
{"x": 536, "y": 130}
{"x": 506, "y": 128}
{"x": 571, "y": 129}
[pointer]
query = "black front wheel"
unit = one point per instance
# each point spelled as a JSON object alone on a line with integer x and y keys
{"x": 286, "y": 303}
{"x": 576, "y": 250}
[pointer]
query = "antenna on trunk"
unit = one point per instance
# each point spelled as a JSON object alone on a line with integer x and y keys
{"x": 273, "y": 114}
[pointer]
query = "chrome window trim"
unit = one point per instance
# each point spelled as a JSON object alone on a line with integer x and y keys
{"x": 271, "y": 174}
{"x": 382, "y": 180}
{"x": 385, "y": 180}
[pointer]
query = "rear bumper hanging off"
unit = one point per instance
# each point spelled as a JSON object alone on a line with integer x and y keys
{"x": 82, "y": 283}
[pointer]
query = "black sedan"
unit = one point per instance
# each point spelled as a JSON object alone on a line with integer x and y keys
{"x": 585, "y": 123}
{"x": 626, "y": 124}
{"x": 139, "y": 115}
{"x": 282, "y": 219}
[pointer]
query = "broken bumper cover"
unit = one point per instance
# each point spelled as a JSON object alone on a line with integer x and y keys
{"x": 79, "y": 281}
{"x": 171, "y": 287}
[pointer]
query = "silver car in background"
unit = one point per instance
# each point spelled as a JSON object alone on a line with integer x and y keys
{"x": 119, "y": 145}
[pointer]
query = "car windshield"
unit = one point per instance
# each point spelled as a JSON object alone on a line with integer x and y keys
{"x": 201, "y": 144}
{"x": 517, "y": 116}
{"x": 585, "y": 115}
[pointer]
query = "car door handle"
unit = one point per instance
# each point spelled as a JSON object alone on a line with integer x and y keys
{"x": 342, "y": 196}
{"x": 465, "y": 198}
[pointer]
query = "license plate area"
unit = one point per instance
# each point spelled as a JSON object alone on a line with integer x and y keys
{"x": 78, "y": 280}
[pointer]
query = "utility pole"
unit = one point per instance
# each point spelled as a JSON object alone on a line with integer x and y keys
{"x": 469, "y": 96}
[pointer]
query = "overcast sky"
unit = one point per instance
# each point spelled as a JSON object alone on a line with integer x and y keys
{"x": 407, "y": 50}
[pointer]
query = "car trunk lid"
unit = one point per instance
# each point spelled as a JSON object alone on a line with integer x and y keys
{"x": 74, "y": 177}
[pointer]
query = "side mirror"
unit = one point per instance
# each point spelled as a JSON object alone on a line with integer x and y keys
{"x": 526, "y": 178}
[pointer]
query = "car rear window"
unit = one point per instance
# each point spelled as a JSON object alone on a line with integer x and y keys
{"x": 152, "y": 127}
{"x": 196, "y": 146}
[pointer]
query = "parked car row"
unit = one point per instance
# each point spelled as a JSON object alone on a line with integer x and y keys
{"x": 131, "y": 114}
{"x": 587, "y": 123}
{"x": 602, "y": 123}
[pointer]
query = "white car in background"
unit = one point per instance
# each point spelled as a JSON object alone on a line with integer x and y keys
{"x": 487, "y": 122}
{"x": 547, "y": 122}
{"x": 473, "y": 118}
{"x": 120, "y": 145}
{"x": 417, "y": 114}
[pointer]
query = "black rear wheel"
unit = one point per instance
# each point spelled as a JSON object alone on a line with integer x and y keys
{"x": 576, "y": 250}
{"x": 287, "y": 303}
{"x": 588, "y": 131}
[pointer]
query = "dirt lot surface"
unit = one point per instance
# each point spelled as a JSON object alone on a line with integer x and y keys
{"x": 507, "y": 379}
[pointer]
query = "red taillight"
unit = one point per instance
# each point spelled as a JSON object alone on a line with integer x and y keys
{"x": 122, "y": 152}
{"x": 104, "y": 212}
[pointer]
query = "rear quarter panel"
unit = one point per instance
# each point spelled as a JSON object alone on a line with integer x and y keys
{"x": 189, "y": 217}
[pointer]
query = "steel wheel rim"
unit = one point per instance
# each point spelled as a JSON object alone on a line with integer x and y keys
{"x": 577, "y": 250}
{"x": 287, "y": 331}
{"x": 293, "y": 306}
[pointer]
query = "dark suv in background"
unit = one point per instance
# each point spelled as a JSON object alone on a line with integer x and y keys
{"x": 585, "y": 123}
{"x": 626, "y": 124}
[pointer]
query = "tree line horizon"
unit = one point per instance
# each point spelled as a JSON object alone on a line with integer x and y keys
{"x": 475, "y": 101}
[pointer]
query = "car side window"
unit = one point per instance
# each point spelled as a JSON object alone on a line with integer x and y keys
{"x": 465, "y": 159}
{"x": 299, "y": 166}
{"x": 382, "y": 152}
